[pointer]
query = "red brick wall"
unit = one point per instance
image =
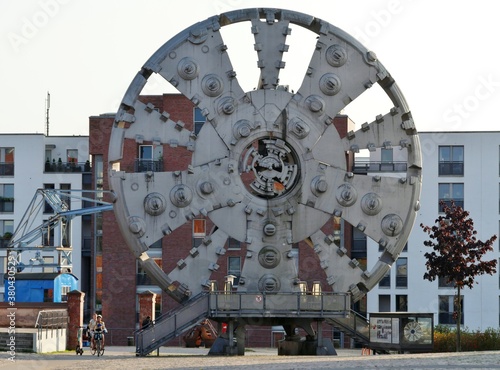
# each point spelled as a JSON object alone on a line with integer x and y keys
{"x": 26, "y": 312}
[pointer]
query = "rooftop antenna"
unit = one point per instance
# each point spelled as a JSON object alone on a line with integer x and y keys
{"x": 47, "y": 108}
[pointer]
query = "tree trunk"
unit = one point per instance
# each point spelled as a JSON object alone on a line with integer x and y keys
{"x": 459, "y": 318}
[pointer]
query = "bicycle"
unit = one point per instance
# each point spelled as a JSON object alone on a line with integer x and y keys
{"x": 97, "y": 348}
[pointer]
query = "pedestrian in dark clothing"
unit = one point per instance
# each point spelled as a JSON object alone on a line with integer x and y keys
{"x": 146, "y": 322}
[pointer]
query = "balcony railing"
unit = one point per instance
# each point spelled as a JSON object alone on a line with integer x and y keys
{"x": 370, "y": 166}
{"x": 4, "y": 243}
{"x": 56, "y": 166}
{"x": 144, "y": 165}
{"x": 6, "y": 169}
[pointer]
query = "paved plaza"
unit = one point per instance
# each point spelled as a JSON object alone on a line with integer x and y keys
{"x": 121, "y": 358}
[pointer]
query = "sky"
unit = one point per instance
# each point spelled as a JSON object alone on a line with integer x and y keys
{"x": 444, "y": 56}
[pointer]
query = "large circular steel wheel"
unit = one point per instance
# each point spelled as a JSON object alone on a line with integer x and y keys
{"x": 268, "y": 167}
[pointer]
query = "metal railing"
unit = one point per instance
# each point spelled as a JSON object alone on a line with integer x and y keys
{"x": 219, "y": 304}
{"x": 370, "y": 166}
{"x": 144, "y": 165}
{"x": 56, "y": 166}
{"x": 354, "y": 324}
{"x": 171, "y": 325}
{"x": 293, "y": 304}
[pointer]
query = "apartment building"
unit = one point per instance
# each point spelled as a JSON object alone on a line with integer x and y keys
{"x": 35, "y": 161}
{"x": 459, "y": 166}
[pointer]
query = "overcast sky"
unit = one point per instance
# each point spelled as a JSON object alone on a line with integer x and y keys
{"x": 444, "y": 55}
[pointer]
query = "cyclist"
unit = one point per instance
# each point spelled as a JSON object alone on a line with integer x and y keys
{"x": 91, "y": 328}
{"x": 100, "y": 327}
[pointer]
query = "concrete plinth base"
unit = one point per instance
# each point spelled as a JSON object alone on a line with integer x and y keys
{"x": 306, "y": 348}
{"x": 221, "y": 347}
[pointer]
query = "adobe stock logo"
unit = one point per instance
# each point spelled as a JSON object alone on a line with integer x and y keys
{"x": 380, "y": 19}
{"x": 471, "y": 103}
{"x": 31, "y": 26}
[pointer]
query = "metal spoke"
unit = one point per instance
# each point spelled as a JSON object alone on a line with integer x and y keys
{"x": 197, "y": 64}
{"x": 196, "y": 268}
{"x": 340, "y": 70}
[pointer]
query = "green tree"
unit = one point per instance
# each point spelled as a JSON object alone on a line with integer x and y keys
{"x": 456, "y": 254}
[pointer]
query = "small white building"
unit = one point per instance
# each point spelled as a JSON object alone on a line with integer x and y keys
{"x": 34, "y": 161}
{"x": 459, "y": 166}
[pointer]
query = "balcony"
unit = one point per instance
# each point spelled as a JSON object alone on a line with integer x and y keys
{"x": 361, "y": 167}
{"x": 145, "y": 165}
{"x": 59, "y": 166}
{"x": 4, "y": 243}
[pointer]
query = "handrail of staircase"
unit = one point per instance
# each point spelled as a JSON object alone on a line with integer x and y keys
{"x": 170, "y": 325}
{"x": 173, "y": 310}
{"x": 356, "y": 324}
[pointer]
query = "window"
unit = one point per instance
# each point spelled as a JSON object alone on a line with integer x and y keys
{"x": 295, "y": 254}
{"x": 145, "y": 161}
{"x": 386, "y": 160}
{"x": 65, "y": 289}
{"x": 402, "y": 272}
{"x": 447, "y": 307}
{"x": 451, "y": 192}
{"x": 199, "y": 228}
{"x": 157, "y": 244}
{"x": 386, "y": 155}
{"x": 338, "y": 231}
{"x": 451, "y": 160}
{"x": 6, "y": 231}
{"x": 402, "y": 303}
{"x": 234, "y": 268}
{"x": 72, "y": 156}
{"x": 47, "y": 207}
{"x": 3, "y": 269}
{"x": 142, "y": 277}
{"x": 66, "y": 233}
{"x": 6, "y": 161}
{"x": 358, "y": 244}
{"x": 384, "y": 303}
{"x": 385, "y": 282}
{"x": 48, "y": 295}
{"x": 233, "y": 244}
{"x": 66, "y": 198}
{"x": 442, "y": 282}
{"x": 7, "y": 198}
{"x": 158, "y": 305}
{"x": 48, "y": 235}
{"x": 198, "y": 120}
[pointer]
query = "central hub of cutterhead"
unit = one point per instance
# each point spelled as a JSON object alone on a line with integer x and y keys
{"x": 272, "y": 168}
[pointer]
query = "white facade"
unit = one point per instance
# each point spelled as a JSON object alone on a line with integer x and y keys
{"x": 481, "y": 180}
{"x": 29, "y": 153}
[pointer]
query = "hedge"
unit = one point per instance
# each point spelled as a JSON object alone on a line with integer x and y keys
{"x": 445, "y": 339}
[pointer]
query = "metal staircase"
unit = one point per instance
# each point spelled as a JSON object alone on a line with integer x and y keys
{"x": 172, "y": 324}
{"x": 207, "y": 304}
{"x": 355, "y": 325}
